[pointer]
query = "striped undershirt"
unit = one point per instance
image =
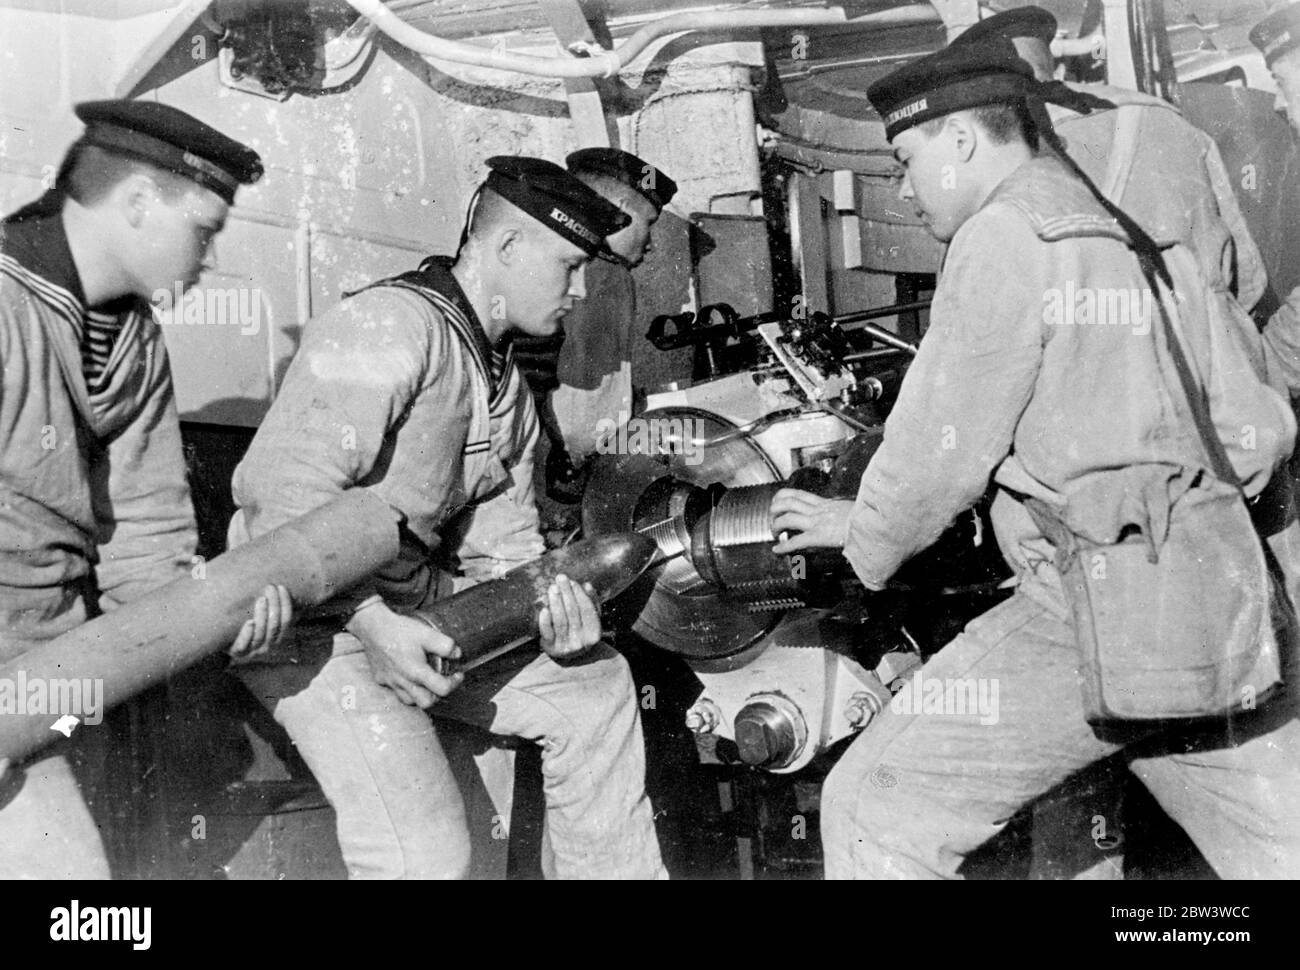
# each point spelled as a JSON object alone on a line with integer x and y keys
{"x": 498, "y": 366}
{"x": 101, "y": 332}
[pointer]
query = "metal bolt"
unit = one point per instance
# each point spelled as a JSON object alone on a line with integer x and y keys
{"x": 703, "y": 717}
{"x": 861, "y": 708}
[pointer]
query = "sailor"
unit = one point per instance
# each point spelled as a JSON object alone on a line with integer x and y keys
{"x": 408, "y": 388}
{"x": 1072, "y": 414}
{"x": 1166, "y": 173}
{"x": 582, "y": 378}
{"x": 96, "y": 511}
{"x": 1278, "y": 38}
{"x": 1170, "y": 177}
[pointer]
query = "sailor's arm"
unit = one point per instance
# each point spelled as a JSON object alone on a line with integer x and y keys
{"x": 957, "y": 409}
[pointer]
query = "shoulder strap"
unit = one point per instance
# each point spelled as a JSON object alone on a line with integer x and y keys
{"x": 1123, "y": 149}
{"x": 1155, "y": 271}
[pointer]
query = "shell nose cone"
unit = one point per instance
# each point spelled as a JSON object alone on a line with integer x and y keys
{"x": 639, "y": 552}
{"x": 610, "y": 562}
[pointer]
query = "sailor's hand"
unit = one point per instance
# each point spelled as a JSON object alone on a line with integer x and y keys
{"x": 398, "y": 649}
{"x": 814, "y": 522}
{"x": 272, "y": 617}
{"x": 570, "y": 622}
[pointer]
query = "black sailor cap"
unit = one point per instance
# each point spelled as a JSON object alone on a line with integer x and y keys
{"x": 172, "y": 140}
{"x": 1278, "y": 33}
{"x": 627, "y": 168}
{"x": 1032, "y": 22}
{"x": 557, "y": 200}
{"x": 959, "y": 76}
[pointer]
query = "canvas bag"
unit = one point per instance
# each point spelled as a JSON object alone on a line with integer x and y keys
{"x": 1186, "y": 635}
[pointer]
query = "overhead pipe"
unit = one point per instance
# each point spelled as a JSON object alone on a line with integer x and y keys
{"x": 606, "y": 64}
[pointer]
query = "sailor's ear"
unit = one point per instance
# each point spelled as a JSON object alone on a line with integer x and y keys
{"x": 964, "y": 135}
{"x": 506, "y": 244}
{"x": 133, "y": 196}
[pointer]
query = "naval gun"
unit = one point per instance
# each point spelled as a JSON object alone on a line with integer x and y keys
{"x": 791, "y": 653}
